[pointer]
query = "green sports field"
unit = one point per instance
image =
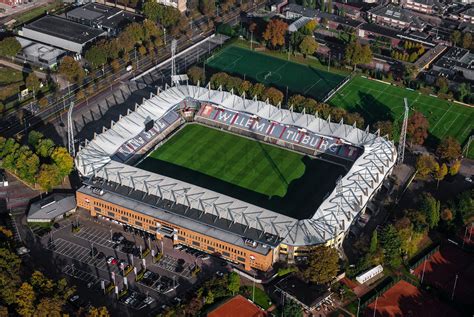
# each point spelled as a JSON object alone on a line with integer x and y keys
{"x": 378, "y": 101}
{"x": 273, "y": 71}
{"x": 262, "y": 174}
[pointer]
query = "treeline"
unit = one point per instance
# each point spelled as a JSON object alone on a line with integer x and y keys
{"x": 410, "y": 53}
{"x": 39, "y": 161}
{"x": 275, "y": 96}
{"x": 24, "y": 294}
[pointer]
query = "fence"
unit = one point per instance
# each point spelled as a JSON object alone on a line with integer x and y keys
{"x": 420, "y": 257}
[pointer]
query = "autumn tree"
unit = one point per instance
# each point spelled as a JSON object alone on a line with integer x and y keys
{"x": 431, "y": 207}
{"x": 207, "y": 7}
{"x": 441, "y": 173}
{"x": 322, "y": 265}
{"x": 417, "y": 128}
{"x": 219, "y": 79}
{"x": 275, "y": 33}
{"x": 374, "y": 242}
{"x": 309, "y": 27}
{"x": 354, "y": 117}
{"x": 32, "y": 82}
{"x": 385, "y": 128}
{"x": 196, "y": 74}
{"x": 98, "y": 312}
{"x": 25, "y": 300}
{"x": 467, "y": 40}
{"x": 442, "y": 84}
{"x": 48, "y": 176}
{"x": 449, "y": 149}
{"x": 454, "y": 167}
{"x": 308, "y": 45}
{"x": 63, "y": 160}
{"x": 257, "y": 90}
{"x": 96, "y": 56}
{"x": 274, "y": 95}
{"x": 356, "y": 54}
{"x": 71, "y": 69}
{"x": 9, "y": 275}
{"x": 426, "y": 165}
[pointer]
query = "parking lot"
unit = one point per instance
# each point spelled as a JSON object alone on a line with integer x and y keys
{"x": 94, "y": 253}
{"x": 96, "y": 236}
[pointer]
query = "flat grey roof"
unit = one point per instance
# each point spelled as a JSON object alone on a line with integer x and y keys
{"x": 180, "y": 215}
{"x": 64, "y": 29}
{"x": 51, "y": 207}
{"x": 39, "y": 50}
{"x": 104, "y": 15}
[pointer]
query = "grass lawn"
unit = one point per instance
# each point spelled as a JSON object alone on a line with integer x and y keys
{"x": 36, "y": 12}
{"x": 261, "y": 298}
{"x": 273, "y": 71}
{"x": 379, "y": 101}
{"x": 9, "y": 75}
{"x": 233, "y": 159}
{"x": 255, "y": 172}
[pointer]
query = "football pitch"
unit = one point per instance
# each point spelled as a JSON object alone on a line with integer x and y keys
{"x": 259, "y": 173}
{"x": 378, "y": 101}
{"x": 273, "y": 71}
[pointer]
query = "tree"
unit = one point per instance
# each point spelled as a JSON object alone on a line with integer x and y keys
{"x": 125, "y": 42}
{"x": 291, "y": 308}
{"x": 32, "y": 82}
{"x": 98, "y": 312}
{"x": 356, "y": 54}
{"x": 44, "y": 147}
{"x": 96, "y": 56}
{"x": 454, "y": 167}
{"x": 207, "y": 7}
{"x": 196, "y": 74}
{"x": 431, "y": 208}
{"x": 446, "y": 215}
{"x": 385, "y": 127}
{"x": 391, "y": 244}
{"x": 417, "y": 128}
{"x": 464, "y": 90}
{"x": 374, "y": 243}
{"x": 26, "y": 164}
{"x": 354, "y": 117}
{"x": 151, "y": 31}
{"x": 465, "y": 206}
{"x": 275, "y": 33}
{"x": 9, "y": 47}
{"x": 151, "y": 10}
{"x": 245, "y": 87}
{"x": 9, "y": 275}
{"x": 467, "y": 40}
{"x": 298, "y": 102}
{"x": 456, "y": 37}
{"x": 209, "y": 297}
{"x": 322, "y": 265}
{"x": 442, "y": 85}
{"x": 71, "y": 69}
{"x": 63, "y": 160}
{"x": 309, "y": 27}
{"x": 441, "y": 173}
{"x": 233, "y": 282}
{"x": 43, "y": 102}
{"x": 219, "y": 79}
{"x": 257, "y": 90}
{"x": 426, "y": 165}
{"x": 274, "y": 95}
{"x": 308, "y": 45}
{"x": 34, "y": 137}
{"x": 449, "y": 149}
{"x": 25, "y": 300}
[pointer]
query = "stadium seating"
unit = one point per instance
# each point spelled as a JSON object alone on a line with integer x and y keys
{"x": 275, "y": 132}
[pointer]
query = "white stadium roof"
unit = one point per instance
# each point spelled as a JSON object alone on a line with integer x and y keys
{"x": 330, "y": 219}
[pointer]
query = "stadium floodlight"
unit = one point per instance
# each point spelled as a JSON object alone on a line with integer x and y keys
{"x": 403, "y": 135}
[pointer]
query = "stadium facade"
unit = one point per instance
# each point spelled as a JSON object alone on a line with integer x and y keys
{"x": 211, "y": 221}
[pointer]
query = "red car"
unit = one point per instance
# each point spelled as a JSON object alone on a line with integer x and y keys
{"x": 112, "y": 260}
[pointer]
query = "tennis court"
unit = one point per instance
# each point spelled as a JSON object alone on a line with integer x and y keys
{"x": 379, "y": 101}
{"x": 273, "y": 71}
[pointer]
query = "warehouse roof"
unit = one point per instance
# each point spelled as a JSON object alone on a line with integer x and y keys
{"x": 51, "y": 207}
{"x": 330, "y": 219}
{"x": 64, "y": 29}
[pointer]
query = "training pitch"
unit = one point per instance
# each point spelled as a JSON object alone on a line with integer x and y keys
{"x": 259, "y": 173}
{"x": 273, "y": 71}
{"x": 379, "y": 101}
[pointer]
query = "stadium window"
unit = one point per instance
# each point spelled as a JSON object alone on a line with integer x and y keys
{"x": 124, "y": 218}
{"x": 152, "y": 228}
{"x": 211, "y": 248}
{"x": 97, "y": 209}
{"x": 181, "y": 238}
{"x": 138, "y": 223}
{"x": 227, "y": 254}
{"x": 196, "y": 243}
{"x": 111, "y": 214}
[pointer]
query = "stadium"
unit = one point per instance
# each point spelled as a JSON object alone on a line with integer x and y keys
{"x": 151, "y": 170}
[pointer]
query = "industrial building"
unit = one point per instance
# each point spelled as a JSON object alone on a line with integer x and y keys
{"x": 61, "y": 33}
{"x": 41, "y": 55}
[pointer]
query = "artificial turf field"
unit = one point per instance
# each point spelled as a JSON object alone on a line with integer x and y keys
{"x": 378, "y": 101}
{"x": 273, "y": 71}
{"x": 259, "y": 173}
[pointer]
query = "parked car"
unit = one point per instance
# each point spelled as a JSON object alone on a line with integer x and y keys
{"x": 112, "y": 260}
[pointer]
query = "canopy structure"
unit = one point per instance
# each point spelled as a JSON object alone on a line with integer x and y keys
{"x": 330, "y": 219}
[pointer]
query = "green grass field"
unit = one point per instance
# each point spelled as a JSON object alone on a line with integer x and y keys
{"x": 269, "y": 70}
{"x": 258, "y": 173}
{"x": 233, "y": 159}
{"x": 378, "y": 101}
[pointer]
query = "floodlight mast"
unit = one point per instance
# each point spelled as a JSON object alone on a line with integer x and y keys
{"x": 403, "y": 135}
{"x": 174, "y": 44}
{"x": 70, "y": 130}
